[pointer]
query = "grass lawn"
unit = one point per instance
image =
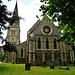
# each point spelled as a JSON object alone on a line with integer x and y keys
{"x": 19, "y": 69}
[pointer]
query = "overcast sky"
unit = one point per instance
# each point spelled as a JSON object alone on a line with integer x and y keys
{"x": 27, "y": 9}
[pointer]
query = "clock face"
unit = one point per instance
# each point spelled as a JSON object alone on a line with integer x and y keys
{"x": 46, "y": 30}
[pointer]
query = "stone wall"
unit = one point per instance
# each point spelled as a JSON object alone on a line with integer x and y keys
{"x": 47, "y": 56}
{"x": 20, "y": 60}
{"x": 10, "y": 57}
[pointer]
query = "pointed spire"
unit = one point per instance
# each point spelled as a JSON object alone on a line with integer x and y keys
{"x": 15, "y": 13}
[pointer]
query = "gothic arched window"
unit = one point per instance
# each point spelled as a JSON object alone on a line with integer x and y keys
{"x": 11, "y": 32}
{"x": 14, "y": 32}
{"x": 22, "y": 52}
{"x": 47, "y": 43}
{"x": 39, "y": 43}
{"x": 55, "y": 44}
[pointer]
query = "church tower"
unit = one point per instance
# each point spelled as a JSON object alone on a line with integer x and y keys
{"x": 13, "y": 35}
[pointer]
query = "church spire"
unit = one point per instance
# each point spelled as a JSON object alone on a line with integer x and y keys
{"x": 15, "y": 13}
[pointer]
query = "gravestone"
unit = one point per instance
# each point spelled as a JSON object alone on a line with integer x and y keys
{"x": 65, "y": 63}
{"x": 43, "y": 64}
{"x": 62, "y": 67}
{"x": 27, "y": 66}
{"x": 52, "y": 66}
{"x": 59, "y": 62}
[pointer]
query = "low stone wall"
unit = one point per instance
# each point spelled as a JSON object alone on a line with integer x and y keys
{"x": 20, "y": 60}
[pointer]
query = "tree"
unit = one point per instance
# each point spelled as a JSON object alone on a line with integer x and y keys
{"x": 62, "y": 11}
{"x": 9, "y": 47}
{"x": 4, "y": 18}
{"x": 4, "y": 13}
{"x": 1, "y": 53}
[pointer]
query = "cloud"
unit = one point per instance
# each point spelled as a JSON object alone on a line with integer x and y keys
{"x": 26, "y": 2}
{"x": 35, "y": 2}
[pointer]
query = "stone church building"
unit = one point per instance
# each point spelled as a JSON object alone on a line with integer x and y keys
{"x": 13, "y": 36}
{"x": 41, "y": 45}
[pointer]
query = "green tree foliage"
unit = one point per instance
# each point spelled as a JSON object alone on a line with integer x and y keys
{"x": 9, "y": 47}
{"x": 4, "y": 13}
{"x": 62, "y": 11}
{"x": 1, "y": 54}
{"x": 4, "y": 18}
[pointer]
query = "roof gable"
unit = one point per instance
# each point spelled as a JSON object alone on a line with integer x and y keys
{"x": 36, "y": 29}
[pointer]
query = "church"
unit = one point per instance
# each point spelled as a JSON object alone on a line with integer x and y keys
{"x": 40, "y": 46}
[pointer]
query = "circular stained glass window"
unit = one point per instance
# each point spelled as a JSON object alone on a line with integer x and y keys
{"x": 46, "y": 30}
